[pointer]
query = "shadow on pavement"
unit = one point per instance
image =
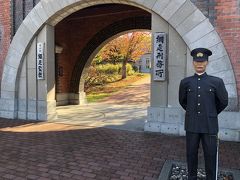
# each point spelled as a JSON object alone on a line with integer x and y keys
{"x": 59, "y": 151}
{"x": 5, "y": 123}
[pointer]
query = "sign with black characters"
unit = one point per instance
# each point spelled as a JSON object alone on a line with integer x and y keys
{"x": 40, "y": 61}
{"x": 160, "y": 56}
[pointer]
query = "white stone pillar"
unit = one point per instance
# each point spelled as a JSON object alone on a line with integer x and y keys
{"x": 46, "y": 103}
{"x": 159, "y": 90}
{"x": 31, "y": 86}
{"x": 165, "y": 114}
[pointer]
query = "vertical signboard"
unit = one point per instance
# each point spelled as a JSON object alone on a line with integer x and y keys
{"x": 40, "y": 61}
{"x": 160, "y": 56}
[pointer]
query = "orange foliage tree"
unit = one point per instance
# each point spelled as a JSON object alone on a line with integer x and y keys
{"x": 126, "y": 48}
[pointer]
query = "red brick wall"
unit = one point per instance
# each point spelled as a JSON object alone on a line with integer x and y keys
{"x": 228, "y": 26}
{"x": 74, "y": 32}
{"x": 5, "y": 28}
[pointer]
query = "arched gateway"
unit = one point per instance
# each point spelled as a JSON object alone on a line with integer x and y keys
{"x": 186, "y": 28}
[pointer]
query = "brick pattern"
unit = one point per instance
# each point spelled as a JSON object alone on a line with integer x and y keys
{"x": 100, "y": 37}
{"x": 83, "y": 31}
{"x": 1, "y": 35}
{"x": 5, "y": 31}
{"x": 42, "y": 151}
{"x": 228, "y": 27}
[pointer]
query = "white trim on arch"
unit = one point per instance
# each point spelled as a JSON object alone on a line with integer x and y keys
{"x": 189, "y": 22}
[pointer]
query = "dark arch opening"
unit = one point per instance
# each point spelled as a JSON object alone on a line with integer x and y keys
{"x": 100, "y": 37}
{"x": 80, "y": 37}
{"x": 111, "y": 30}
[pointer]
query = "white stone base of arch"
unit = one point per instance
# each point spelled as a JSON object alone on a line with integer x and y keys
{"x": 71, "y": 98}
{"x": 29, "y": 110}
{"x": 7, "y": 108}
{"x": 36, "y": 110}
{"x": 171, "y": 121}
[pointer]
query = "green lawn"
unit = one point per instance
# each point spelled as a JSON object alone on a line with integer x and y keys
{"x": 96, "y": 97}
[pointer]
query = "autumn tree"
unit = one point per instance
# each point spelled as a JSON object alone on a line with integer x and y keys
{"x": 112, "y": 53}
{"x": 128, "y": 47}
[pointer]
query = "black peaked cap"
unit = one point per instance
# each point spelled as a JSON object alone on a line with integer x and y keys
{"x": 200, "y": 54}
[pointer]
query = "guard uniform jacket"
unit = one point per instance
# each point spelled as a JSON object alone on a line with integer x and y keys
{"x": 203, "y": 97}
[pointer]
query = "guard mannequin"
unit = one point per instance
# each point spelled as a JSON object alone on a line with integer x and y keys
{"x": 203, "y": 97}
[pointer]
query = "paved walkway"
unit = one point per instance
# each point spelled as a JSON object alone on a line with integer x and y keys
{"x": 126, "y": 110}
{"x": 125, "y": 117}
{"x": 77, "y": 147}
{"x": 57, "y": 151}
{"x": 137, "y": 93}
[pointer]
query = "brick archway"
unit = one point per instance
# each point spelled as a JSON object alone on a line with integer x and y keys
{"x": 194, "y": 28}
{"x": 99, "y": 39}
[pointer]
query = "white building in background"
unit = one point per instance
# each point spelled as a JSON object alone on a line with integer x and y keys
{"x": 144, "y": 63}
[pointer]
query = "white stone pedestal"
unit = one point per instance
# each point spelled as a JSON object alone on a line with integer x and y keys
{"x": 171, "y": 121}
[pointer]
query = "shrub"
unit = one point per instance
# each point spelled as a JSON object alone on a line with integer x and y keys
{"x": 108, "y": 68}
{"x": 130, "y": 70}
{"x": 105, "y": 73}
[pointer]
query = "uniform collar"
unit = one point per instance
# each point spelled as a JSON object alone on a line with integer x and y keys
{"x": 202, "y": 75}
